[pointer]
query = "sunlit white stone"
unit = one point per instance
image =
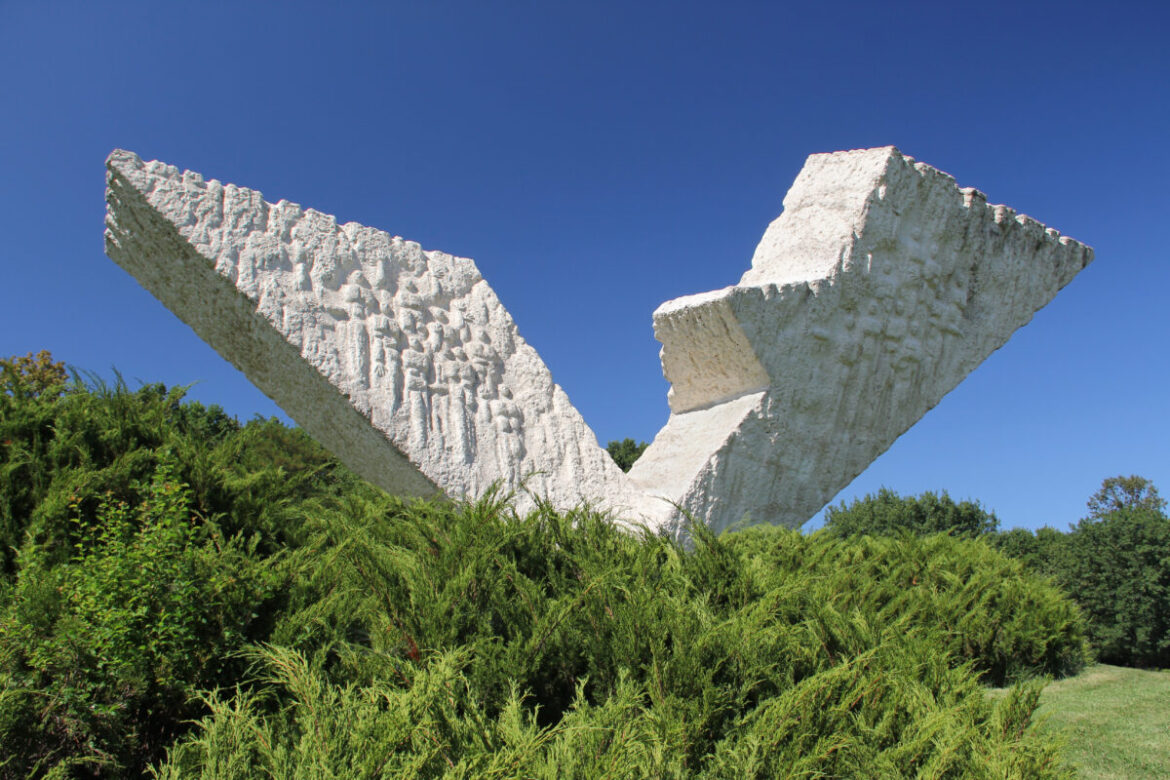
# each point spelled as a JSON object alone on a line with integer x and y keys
{"x": 877, "y": 290}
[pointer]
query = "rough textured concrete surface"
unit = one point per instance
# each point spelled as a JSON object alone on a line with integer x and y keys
{"x": 876, "y": 291}
{"x": 401, "y": 361}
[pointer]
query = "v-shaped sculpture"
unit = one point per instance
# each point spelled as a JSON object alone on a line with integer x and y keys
{"x": 879, "y": 287}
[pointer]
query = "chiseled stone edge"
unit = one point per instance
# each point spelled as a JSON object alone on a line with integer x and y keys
{"x": 738, "y": 447}
{"x": 409, "y": 367}
{"x": 151, "y": 249}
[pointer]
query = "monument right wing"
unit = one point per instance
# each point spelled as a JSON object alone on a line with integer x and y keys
{"x": 876, "y": 291}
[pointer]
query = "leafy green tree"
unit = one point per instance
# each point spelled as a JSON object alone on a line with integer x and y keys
{"x": 1043, "y": 551}
{"x": 32, "y": 375}
{"x": 888, "y": 513}
{"x": 1117, "y": 567}
{"x": 1118, "y": 570}
{"x": 1132, "y": 492}
{"x": 1115, "y": 564}
{"x": 625, "y": 452}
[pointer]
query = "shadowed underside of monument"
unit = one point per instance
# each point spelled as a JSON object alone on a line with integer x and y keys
{"x": 876, "y": 291}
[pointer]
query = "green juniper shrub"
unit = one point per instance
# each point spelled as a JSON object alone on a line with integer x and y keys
{"x": 101, "y": 654}
{"x": 187, "y": 596}
{"x": 1005, "y": 621}
{"x": 464, "y": 640}
{"x": 30, "y": 389}
{"x": 83, "y": 443}
{"x": 64, "y": 451}
{"x": 141, "y": 541}
{"x": 886, "y": 512}
{"x": 896, "y": 711}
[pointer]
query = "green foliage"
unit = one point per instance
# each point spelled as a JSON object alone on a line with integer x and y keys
{"x": 141, "y": 541}
{"x": 32, "y": 376}
{"x": 229, "y": 601}
{"x": 1006, "y": 622}
{"x": 1118, "y": 493}
{"x": 888, "y": 513}
{"x": 100, "y": 655}
{"x": 873, "y": 716}
{"x": 465, "y": 641}
{"x": 625, "y": 452}
{"x": 1116, "y": 565}
{"x": 1044, "y": 551}
{"x": 30, "y": 388}
{"x": 1118, "y": 570}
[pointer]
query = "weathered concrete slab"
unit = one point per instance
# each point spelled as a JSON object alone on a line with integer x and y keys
{"x": 401, "y": 361}
{"x": 879, "y": 288}
{"x": 876, "y": 291}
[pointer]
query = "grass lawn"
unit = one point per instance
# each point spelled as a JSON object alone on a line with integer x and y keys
{"x": 1116, "y": 721}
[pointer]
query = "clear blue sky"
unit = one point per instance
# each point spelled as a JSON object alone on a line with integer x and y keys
{"x": 596, "y": 159}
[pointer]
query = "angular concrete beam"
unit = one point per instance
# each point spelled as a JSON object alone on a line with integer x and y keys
{"x": 879, "y": 288}
{"x": 876, "y": 291}
{"x": 402, "y": 362}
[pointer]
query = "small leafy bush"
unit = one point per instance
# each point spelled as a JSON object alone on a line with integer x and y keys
{"x": 101, "y": 655}
{"x": 141, "y": 542}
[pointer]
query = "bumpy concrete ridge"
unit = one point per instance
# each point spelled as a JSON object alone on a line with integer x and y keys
{"x": 877, "y": 290}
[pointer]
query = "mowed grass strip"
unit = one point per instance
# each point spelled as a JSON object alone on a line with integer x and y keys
{"x": 1116, "y": 721}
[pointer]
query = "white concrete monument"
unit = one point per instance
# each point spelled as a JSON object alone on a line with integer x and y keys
{"x": 879, "y": 288}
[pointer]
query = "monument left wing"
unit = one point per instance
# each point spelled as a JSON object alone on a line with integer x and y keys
{"x": 401, "y": 361}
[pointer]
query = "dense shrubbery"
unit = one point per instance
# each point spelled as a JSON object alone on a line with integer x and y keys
{"x": 1007, "y": 623}
{"x": 221, "y": 600}
{"x": 1115, "y": 563}
{"x": 1117, "y": 568}
{"x": 491, "y": 645}
{"x": 104, "y": 651}
{"x": 137, "y": 537}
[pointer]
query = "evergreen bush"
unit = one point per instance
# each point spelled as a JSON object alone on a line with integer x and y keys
{"x": 188, "y": 596}
{"x": 467, "y": 641}
{"x": 1007, "y": 622}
